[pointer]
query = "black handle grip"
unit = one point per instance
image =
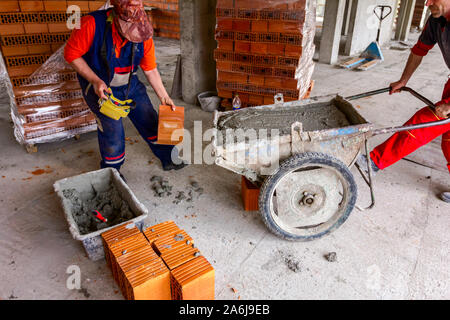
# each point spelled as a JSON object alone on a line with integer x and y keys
{"x": 381, "y": 17}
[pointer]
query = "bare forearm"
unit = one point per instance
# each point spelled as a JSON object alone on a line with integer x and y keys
{"x": 82, "y": 68}
{"x": 154, "y": 78}
{"x": 411, "y": 66}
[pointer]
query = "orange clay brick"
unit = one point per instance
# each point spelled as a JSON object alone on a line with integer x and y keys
{"x": 256, "y": 80}
{"x": 224, "y": 66}
{"x": 57, "y": 27}
{"x": 116, "y": 235}
{"x": 293, "y": 51}
{"x": 9, "y": 6}
{"x": 95, "y": 5}
{"x": 27, "y": 6}
{"x": 225, "y": 3}
{"x": 133, "y": 259}
{"x": 171, "y": 241}
{"x": 259, "y": 48}
{"x": 225, "y": 24}
{"x": 84, "y": 5}
{"x": 150, "y": 281}
{"x": 267, "y": 100}
{"x": 259, "y": 26}
{"x": 55, "y": 5}
{"x": 193, "y": 280}
{"x": 9, "y": 29}
{"x": 225, "y": 94}
{"x": 40, "y": 49}
{"x": 179, "y": 255}
{"x": 256, "y": 100}
{"x": 159, "y": 230}
{"x": 250, "y": 192}
{"x": 240, "y": 46}
{"x": 22, "y": 71}
{"x": 35, "y": 27}
{"x": 232, "y": 77}
{"x": 118, "y": 249}
{"x": 15, "y": 51}
{"x": 276, "y": 48}
{"x": 241, "y": 25}
{"x": 227, "y": 45}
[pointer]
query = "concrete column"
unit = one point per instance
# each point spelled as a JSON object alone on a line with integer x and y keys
{"x": 404, "y": 19}
{"x": 331, "y": 31}
{"x": 347, "y": 14}
{"x": 197, "y": 27}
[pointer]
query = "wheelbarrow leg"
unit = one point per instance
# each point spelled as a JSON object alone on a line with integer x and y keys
{"x": 368, "y": 180}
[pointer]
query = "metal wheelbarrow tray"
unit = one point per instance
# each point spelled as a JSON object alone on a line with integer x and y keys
{"x": 307, "y": 189}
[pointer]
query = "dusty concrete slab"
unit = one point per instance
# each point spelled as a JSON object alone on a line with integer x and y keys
{"x": 397, "y": 250}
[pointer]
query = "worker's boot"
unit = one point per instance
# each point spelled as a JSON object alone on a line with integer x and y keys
{"x": 173, "y": 166}
{"x": 445, "y": 196}
{"x": 362, "y": 163}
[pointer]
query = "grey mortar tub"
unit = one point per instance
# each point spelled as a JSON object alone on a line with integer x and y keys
{"x": 100, "y": 180}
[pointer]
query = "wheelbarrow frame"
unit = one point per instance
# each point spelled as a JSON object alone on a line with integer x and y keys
{"x": 343, "y": 143}
{"x": 390, "y": 130}
{"x": 348, "y": 139}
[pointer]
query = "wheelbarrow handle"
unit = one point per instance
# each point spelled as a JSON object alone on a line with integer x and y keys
{"x": 403, "y": 128}
{"x": 389, "y": 89}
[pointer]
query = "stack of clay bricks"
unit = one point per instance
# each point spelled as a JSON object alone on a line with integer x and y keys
{"x": 165, "y": 18}
{"x": 48, "y": 107}
{"x": 259, "y": 46}
{"x": 160, "y": 263}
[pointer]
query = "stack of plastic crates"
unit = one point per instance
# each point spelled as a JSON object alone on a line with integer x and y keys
{"x": 47, "y": 106}
{"x": 264, "y": 47}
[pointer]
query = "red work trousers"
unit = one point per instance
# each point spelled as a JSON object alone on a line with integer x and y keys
{"x": 403, "y": 143}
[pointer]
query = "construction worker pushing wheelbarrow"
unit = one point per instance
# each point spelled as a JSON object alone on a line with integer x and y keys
{"x": 106, "y": 53}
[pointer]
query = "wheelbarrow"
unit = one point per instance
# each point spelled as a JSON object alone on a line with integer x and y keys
{"x": 301, "y": 159}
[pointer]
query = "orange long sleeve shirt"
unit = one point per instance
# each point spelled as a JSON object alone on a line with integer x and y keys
{"x": 81, "y": 39}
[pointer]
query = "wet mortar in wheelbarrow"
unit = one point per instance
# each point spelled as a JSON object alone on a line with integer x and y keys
{"x": 299, "y": 153}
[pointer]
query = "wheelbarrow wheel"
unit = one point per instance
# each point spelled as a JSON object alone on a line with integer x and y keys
{"x": 309, "y": 196}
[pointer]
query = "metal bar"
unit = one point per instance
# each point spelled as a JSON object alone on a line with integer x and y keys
{"x": 369, "y": 169}
{"x": 362, "y": 174}
{"x": 420, "y": 97}
{"x": 402, "y": 128}
{"x": 407, "y": 89}
{"x": 411, "y": 127}
{"x": 368, "y": 94}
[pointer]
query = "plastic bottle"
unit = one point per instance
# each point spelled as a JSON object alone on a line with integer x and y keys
{"x": 236, "y": 102}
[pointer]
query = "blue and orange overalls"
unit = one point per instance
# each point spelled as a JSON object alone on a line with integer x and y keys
{"x": 87, "y": 42}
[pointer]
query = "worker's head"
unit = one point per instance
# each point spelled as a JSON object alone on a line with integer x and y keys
{"x": 438, "y": 8}
{"x": 131, "y": 20}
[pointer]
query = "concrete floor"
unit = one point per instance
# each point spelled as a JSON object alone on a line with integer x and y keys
{"x": 398, "y": 250}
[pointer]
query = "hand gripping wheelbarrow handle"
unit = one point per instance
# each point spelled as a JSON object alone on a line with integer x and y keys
{"x": 403, "y": 128}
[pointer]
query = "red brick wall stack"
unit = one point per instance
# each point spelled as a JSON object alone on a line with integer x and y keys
{"x": 49, "y": 107}
{"x": 165, "y": 18}
{"x": 260, "y": 44}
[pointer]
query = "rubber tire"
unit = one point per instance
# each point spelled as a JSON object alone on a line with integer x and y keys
{"x": 287, "y": 166}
